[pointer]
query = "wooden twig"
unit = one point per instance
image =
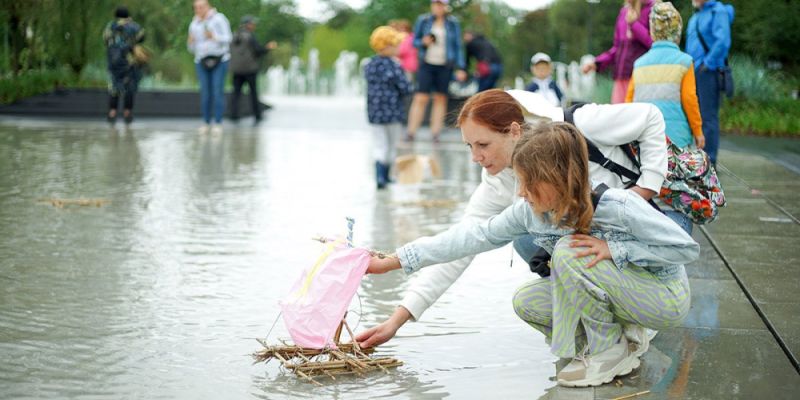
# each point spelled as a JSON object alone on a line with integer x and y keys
{"x": 632, "y": 395}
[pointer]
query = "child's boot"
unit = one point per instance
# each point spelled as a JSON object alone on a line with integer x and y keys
{"x": 380, "y": 175}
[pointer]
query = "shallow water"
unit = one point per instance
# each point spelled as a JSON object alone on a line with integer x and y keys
{"x": 159, "y": 293}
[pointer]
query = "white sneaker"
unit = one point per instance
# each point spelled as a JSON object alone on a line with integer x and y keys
{"x": 216, "y": 130}
{"x": 639, "y": 338}
{"x": 597, "y": 369}
{"x": 203, "y": 129}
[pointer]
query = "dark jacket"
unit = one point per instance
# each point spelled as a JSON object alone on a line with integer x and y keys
{"x": 386, "y": 87}
{"x": 534, "y": 87}
{"x": 454, "y": 48}
{"x": 246, "y": 53}
{"x": 482, "y": 50}
{"x": 120, "y": 37}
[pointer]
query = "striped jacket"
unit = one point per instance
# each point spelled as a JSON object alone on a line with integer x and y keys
{"x": 664, "y": 76}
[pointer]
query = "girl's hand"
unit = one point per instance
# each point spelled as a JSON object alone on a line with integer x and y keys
{"x": 700, "y": 141}
{"x": 595, "y": 246}
{"x": 379, "y": 265}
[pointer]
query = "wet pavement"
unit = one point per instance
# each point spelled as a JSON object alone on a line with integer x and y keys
{"x": 159, "y": 293}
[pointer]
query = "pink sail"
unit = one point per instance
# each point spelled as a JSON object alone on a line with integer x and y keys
{"x": 319, "y": 299}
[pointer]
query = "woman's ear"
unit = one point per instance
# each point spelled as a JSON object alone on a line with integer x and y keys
{"x": 515, "y": 130}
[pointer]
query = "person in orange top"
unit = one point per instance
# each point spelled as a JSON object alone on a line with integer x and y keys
{"x": 664, "y": 76}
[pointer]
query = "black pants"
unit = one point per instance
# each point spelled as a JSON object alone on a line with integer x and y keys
{"x": 238, "y": 81}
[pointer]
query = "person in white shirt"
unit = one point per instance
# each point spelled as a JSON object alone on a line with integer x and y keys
{"x": 209, "y": 40}
{"x": 543, "y": 83}
{"x": 491, "y": 123}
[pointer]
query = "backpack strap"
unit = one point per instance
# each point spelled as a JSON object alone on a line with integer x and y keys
{"x": 597, "y": 193}
{"x": 596, "y": 156}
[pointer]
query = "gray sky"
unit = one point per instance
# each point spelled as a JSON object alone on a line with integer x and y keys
{"x": 314, "y": 9}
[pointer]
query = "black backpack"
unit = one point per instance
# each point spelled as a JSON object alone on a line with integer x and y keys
{"x": 119, "y": 46}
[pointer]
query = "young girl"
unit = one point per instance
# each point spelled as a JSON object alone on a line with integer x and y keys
{"x": 620, "y": 263}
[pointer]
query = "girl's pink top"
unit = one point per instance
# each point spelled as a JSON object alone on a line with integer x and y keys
{"x": 408, "y": 54}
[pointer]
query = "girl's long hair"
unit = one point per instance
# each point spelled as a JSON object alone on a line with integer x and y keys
{"x": 556, "y": 153}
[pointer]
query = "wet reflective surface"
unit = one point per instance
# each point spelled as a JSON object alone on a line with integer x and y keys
{"x": 159, "y": 293}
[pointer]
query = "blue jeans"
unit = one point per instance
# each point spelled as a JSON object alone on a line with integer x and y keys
{"x": 489, "y": 81}
{"x": 709, "y": 96}
{"x": 212, "y": 90}
{"x": 681, "y": 219}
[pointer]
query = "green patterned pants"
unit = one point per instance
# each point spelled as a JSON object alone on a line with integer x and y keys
{"x": 601, "y": 298}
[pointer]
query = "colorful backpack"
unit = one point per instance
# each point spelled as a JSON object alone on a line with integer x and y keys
{"x": 692, "y": 187}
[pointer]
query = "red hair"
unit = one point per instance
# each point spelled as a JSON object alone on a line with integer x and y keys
{"x": 494, "y": 109}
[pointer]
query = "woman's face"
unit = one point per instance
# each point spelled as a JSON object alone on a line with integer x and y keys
{"x": 201, "y": 7}
{"x": 491, "y": 149}
{"x": 438, "y": 9}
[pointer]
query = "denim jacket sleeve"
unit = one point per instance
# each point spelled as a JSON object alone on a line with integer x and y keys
{"x": 468, "y": 237}
{"x": 650, "y": 239}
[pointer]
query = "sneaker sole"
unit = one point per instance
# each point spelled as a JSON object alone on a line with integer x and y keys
{"x": 623, "y": 368}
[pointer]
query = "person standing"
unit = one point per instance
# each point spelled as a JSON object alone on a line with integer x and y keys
{"x": 631, "y": 40}
{"x": 386, "y": 87}
{"x": 406, "y": 53}
{"x": 543, "y": 83}
{"x": 664, "y": 76}
{"x": 209, "y": 40}
{"x": 437, "y": 36}
{"x": 708, "y": 40}
{"x": 121, "y": 36}
{"x": 246, "y": 55}
{"x": 488, "y": 64}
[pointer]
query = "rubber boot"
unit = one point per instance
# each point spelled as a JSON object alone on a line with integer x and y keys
{"x": 380, "y": 175}
{"x": 387, "y": 168}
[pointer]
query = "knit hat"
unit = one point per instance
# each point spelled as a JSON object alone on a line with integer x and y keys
{"x": 384, "y": 36}
{"x": 665, "y": 22}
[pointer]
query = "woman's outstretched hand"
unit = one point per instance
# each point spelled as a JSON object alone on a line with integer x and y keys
{"x": 378, "y": 265}
{"x": 384, "y": 332}
{"x": 593, "y": 245}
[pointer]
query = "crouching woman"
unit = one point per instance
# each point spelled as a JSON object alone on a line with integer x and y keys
{"x": 621, "y": 263}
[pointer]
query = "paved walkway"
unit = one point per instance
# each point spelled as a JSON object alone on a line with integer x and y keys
{"x": 742, "y": 337}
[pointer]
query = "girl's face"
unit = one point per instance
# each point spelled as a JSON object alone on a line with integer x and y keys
{"x": 542, "y": 199}
{"x": 491, "y": 149}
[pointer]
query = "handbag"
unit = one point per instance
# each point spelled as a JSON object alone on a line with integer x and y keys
{"x": 692, "y": 187}
{"x": 210, "y": 62}
{"x": 140, "y": 55}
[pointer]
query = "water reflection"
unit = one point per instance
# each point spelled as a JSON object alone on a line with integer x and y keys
{"x": 159, "y": 293}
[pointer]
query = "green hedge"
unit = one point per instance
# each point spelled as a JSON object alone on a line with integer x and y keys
{"x": 779, "y": 117}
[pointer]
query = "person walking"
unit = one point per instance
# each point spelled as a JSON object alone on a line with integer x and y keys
{"x": 708, "y": 40}
{"x": 616, "y": 260}
{"x": 246, "y": 56}
{"x": 121, "y": 36}
{"x": 209, "y": 40}
{"x": 437, "y": 36}
{"x": 631, "y": 40}
{"x": 488, "y": 63}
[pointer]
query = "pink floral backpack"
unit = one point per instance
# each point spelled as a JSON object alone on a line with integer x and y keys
{"x": 692, "y": 187}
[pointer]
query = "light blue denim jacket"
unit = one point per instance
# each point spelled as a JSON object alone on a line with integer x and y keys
{"x": 635, "y": 232}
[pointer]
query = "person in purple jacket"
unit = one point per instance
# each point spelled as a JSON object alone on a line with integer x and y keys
{"x": 631, "y": 40}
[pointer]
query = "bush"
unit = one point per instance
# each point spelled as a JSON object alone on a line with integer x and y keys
{"x": 754, "y": 82}
{"x": 33, "y": 82}
{"x": 780, "y": 117}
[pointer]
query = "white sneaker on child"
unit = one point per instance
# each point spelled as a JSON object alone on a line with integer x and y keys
{"x": 203, "y": 129}
{"x": 597, "y": 369}
{"x": 639, "y": 337}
